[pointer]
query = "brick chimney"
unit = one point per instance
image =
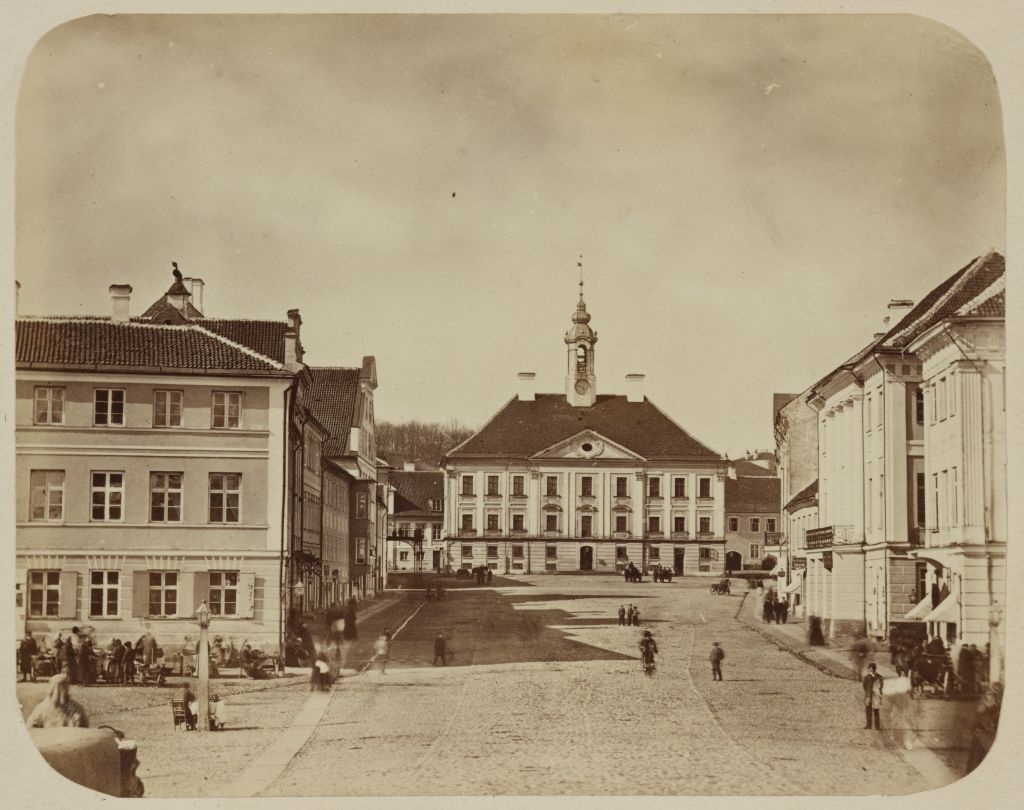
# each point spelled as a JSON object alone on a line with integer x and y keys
{"x": 635, "y": 387}
{"x": 292, "y": 341}
{"x": 527, "y": 386}
{"x": 898, "y": 307}
{"x": 195, "y": 289}
{"x": 120, "y": 299}
{"x": 409, "y": 466}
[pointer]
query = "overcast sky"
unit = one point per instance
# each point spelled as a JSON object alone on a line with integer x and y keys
{"x": 747, "y": 192}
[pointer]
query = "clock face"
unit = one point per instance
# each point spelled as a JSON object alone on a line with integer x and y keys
{"x": 582, "y": 387}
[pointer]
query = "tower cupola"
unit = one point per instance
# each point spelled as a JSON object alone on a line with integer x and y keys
{"x": 581, "y": 376}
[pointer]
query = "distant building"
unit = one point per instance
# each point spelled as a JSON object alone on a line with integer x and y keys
{"x": 416, "y": 520}
{"x": 752, "y": 510}
{"x": 583, "y": 481}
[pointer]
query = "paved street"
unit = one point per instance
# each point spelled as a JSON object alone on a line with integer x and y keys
{"x": 545, "y": 696}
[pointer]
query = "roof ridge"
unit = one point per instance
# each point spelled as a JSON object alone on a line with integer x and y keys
{"x": 972, "y": 268}
{"x": 232, "y": 343}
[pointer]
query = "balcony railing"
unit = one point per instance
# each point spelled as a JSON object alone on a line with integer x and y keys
{"x": 828, "y": 536}
{"x": 774, "y": 538}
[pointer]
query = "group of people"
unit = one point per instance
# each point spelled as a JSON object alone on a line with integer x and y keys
{"x": 775, "y": 609}
{"x": 661, "y": 573}
{"x": 632, "y": 573}
{"x": 483, "y": 574}
{"x": 77, "y": 658}
{"x": 629, "y": 616}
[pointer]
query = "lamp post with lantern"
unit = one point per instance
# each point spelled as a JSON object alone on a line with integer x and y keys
{"x": 203, "y": 617}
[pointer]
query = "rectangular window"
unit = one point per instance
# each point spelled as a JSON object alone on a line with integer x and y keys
{"x": 492, "y": 552}
{"x": 622, "y": 523}
{"x": 769, "y": 524}
{"x": 227, "y": 409}
{"x": 679, "y": 524}
{"x": 434, "y": 504}
{"x": 518, "y": 485}
{"x": 362, "y": 506}
{"x": 163, "y": 593}
{"x": 43, "y": 593}
{"x": 586, "y": 526}
{"x": 621, "y": 487}
{"x": 467, "y": 551}
{"x": 223, "y": 593}
{"x": 551, "y": 485}
{"x": 654, "y": 553}
{"x": 225, "y": 497}
{"x": 109, "y": 406}
{"x": 165, "y": 497}
{"x": 467, "y": 485}
{"x": 919, "y": 405}
{"x": 517, "y": 552}
{"x": 755, "y": 524}
{"x": 921, "y": 578}
{"x": 107, "y": 495}
{"x": 403, "y": 556}
{"x": 518, "y": 523}
{"x": 654, "y": 524}
{"x": 679, "y": 487}
{"x": 734, "y": 524}
{"x": 551, "y": 552}
{"x": 620, "y": 553}
{"x": 654, "y": 487}
{"x": 467, "y": 522}
{"x": 492, "y": 485}
{"x": 921, "y": 505}
{"x": 492, "y": 523}
{"x": 47, "y": 495}
{"x": 705, "y": 554}
{"x": 755, "y": 551}
{"x": 49, "y": 405}
{"x": 704, "y": 524}
{"x": 436, "y": 530}
{"x": 104, "y": 593}
{"x": 551, "y": 523}
{"x": 704, "y": 485}
{"x": 167, "y": 408}
{"x": 586, "y": 486}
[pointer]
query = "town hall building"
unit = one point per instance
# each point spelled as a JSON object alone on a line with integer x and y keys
{"x": 584, "y": 481}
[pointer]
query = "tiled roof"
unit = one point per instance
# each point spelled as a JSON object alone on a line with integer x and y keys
{"x": 163, "y": 312}
{"x": 752, "y": 495}
{"x": 748, "y": 469}
{"x": 808, "y": 496}
{"x": 105, "y": 343}
{"x": 263, "y": 337}
{"x": 332, "y": 399}
{"x": 994, "y": 307}
{"x": 414, "y": 489}
{"x": 523, "y": 428}
{"x": 943, "y": 302}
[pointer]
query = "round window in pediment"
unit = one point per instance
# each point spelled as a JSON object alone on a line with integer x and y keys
{"x": 587, "y": 447}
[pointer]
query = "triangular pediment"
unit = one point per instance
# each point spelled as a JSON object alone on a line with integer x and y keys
{"x": 585, "y": 445}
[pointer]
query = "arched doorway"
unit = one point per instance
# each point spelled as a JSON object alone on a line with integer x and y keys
{"x": 733, "y": 561}
{"x": 586, "y": 558}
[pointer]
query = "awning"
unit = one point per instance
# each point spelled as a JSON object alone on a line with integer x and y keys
{"x": 798, "y": 580}
{"x": 948, "y": 609}
{"x": 921, "y": 609}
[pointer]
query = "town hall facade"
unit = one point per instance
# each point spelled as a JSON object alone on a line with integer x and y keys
{"x": 584, "y": 481}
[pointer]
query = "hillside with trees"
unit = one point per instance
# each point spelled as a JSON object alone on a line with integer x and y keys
{"x": 423, "y": 443}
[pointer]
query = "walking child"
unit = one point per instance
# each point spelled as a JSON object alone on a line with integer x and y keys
{"x": 382, "y": 649}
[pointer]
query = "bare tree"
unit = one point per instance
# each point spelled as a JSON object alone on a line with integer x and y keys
{"x": 422, "y": 442}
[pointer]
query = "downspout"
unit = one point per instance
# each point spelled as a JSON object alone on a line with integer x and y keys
{"x": 284, "y": 560}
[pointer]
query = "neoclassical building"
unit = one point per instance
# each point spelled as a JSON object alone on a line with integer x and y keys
{"x": 584, "y": 481}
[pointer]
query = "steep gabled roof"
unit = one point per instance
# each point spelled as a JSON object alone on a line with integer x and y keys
{"x": 413, "y": 489}
{"x": 524, "y": 427}
{"x": 163, "y": 312}
{"x": 752, "y": 495}
{"x": 808, "y": 496}
{"x": 91, "y": 343}
{"x": 332, "y": 399}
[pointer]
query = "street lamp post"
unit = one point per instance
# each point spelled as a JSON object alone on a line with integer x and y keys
{"x": 203, "y": 616}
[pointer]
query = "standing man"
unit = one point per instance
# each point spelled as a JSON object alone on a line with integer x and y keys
{"x": 439, "y": 649}
{"x": 622, "y": 615}
{"x": 27, "y": 651}
{"x": 636, "y": 616}
{"x": 716, "y": 656}
{"x": 872, "y": 697}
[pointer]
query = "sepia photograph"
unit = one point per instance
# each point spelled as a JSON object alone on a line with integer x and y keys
{"x": 507, "y": 405}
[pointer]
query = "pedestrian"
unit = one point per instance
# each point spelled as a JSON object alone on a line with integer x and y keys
{"x": 70, "y": 660}
{"x": 815, "y": 635}
{"x": 629, "y": 615}
{"x": 27, "y": 651}
{"x": 767, "y": 609}
{"x": 382, "y": 650}
{"x": 622, "y": 615}
{"x": 873, "y": 686}
{"x": 782, "y": 609}
{"x": 648, "y": 649}
{"x": 57, "y": 709}
{"x": 117, "y": 661}
{"x": 148, "y": 649}
{"x": 85, "y": 662}
{"x": 128, "y": 675}
{"x": 626, "y": 573}
{"x": 636, "y": 616}
{"x": 716, "y": 656}
{"x": 490, "y": 576}
{"x": 319, "y": 673}
{"x": 439, "y": 649}
{"x": 349, "y": 634}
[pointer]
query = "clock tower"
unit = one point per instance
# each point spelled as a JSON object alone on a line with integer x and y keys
{"x": 580, "y": 379}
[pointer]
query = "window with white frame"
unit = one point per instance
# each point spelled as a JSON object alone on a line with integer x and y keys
{"x": 517, "y": 551}
{"x": 163, "y": 593}
{"x": 654, "y": 524}
{"x": 436, "y": 530}
{"x": 492, "y": 485}
{"x": 104, "y": 593}
{"x": 918, "y": 405}
{"x": 769, "y": 524}
{"x": 166, "y": 408}
{"x": 551, "y": 552}
{"x": 734, "y": 524}
{"x": 679, "y": 487}
{"x": 434, "y": 504}
{"x": 704, "y": 524}
{"x": 518, "y": 485}
{"x": 653, "y": 487}
{"x": 586, "y": 486}
{"x": 622, "y": 523}
{"x": 704, "y": 487}
{"x": 109, "y": 406}
{"x": 755, "y": 551}
{"x": 49, "y": 405}
{"x": 46, "y": 500}
{"x": 654, "y": 554}
{"x": 679, "y": 524}
{"x": 223, "y": 599}
{"x": 467, "y": 521}
{"x": 467, "y": 550}
{"x": 227, "y": 409}
{"x": 165, "y": 497}
{"x": 621, "y": 486}
{"x": 492, "y": 523}
{"x": 403, "y": 556}
{"x": 620, "y": 553}
{"x": 107, "y": 495}
{"x": 755, "y": 524}
{"x": 518, "y": 522}
{"x": 551, "y": 485}
{"x": 704, "y": 554}
{"x": 225, "y": 497}
{"x": 492, "y": 552}
{"x": 467, "y": 485}
{"x": 43, "y": 593}
{"x": 586, "y": 526}
{"x": 551, "y": 522}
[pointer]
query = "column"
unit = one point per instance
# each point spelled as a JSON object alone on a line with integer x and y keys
{"x": 666, "y": 508}
{"x": 973, "y": 468}
{"x": 638, "y": 504}
{"x": 691, "y": 520}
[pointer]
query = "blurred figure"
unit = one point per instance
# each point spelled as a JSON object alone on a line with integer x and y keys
{"x": 57, "y": 709}
{"x": 382, "y": 649}
{"x": 27, "y": 651}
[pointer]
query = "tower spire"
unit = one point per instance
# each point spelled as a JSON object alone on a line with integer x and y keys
{"x": 581, "y": 379}
{"x": 579, "y": 264}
